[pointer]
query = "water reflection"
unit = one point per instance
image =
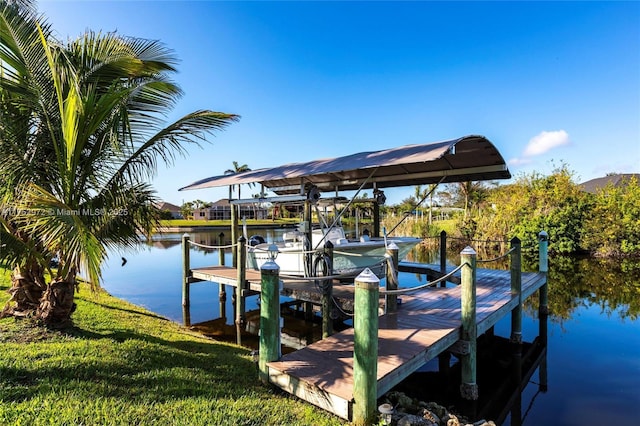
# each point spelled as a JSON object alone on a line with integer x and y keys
{"x": 593, "y": 368}
{"x": 611, "y": 285}
{"x": 510, "y": 378}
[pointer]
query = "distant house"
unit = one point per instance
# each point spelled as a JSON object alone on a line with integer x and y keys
{"x": 221, "y": 210}
{"x": 617, "y": 181}
{"x": 171, "y": 208}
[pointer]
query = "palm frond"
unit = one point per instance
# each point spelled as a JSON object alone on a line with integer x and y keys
{"x": 81, "y": 130}
{"x": 171, "y": 141}
{"x": 60, "y": 228}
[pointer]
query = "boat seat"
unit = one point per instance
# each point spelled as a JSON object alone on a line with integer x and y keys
{"x": 340, "y": 241}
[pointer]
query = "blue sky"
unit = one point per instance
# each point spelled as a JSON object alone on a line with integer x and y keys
{"x": 546, "y": 82}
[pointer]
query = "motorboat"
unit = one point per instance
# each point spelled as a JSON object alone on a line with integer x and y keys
{"x": 467, "y": 158}
{"x": 297, "y": 257}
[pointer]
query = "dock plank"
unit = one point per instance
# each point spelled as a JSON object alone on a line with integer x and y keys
{"x": 427, "y": 323}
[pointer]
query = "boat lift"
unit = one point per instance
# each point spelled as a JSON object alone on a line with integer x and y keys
{"x": 469, "y": 158}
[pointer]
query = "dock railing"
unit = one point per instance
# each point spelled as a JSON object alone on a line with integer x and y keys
{"x": 364, "y": 403}
{"x": 366, "y": 310}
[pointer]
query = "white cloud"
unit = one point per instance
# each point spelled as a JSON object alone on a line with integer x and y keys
{"x": 546, "y": 141}
{"x": 521, "y": 161}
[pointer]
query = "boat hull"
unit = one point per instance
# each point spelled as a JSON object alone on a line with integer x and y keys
{"x": 349, "y": 257}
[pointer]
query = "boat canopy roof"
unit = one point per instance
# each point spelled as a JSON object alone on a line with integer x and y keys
{"x": 469, "y": 158}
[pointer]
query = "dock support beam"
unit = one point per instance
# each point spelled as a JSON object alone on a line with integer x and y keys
{"x": 186, "y": 280}
{"x": 376, "y": 220}
{"x": 269, "y": 345}
{"x": 234, "y": 231}
{"x": 515, "y": 266}
{"x": 365, "y": 347}
{"x": 469, "y": 387}
{"x": 241, "y": 285}
{"x": 186, "y": 270}
{"x": 443, "y": 256}
{"x": 391, "y": 303}
{"x": 543, "y": 267}
{"x": 327, "y": 292}
{"x": 516, "y": 291}
{"x": 222, "y": 289}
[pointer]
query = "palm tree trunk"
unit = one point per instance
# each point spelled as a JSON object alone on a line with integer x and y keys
{"x": 27, "y": 288}
{"x": 57, "y": 303}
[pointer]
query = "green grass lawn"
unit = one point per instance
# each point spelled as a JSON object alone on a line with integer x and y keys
{"x": 121, "y": 364}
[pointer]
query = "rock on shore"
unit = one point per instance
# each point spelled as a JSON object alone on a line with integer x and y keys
{"x": 412, "y": 412}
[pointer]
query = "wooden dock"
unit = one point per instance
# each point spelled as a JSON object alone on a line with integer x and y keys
{"x": 429, "y": 322}
{"x": 425, "y": 325}
{"x": 303, "y": 291}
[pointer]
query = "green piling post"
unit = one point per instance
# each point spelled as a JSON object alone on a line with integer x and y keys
{"x": 269, "y": 345}
{"x": 376, "y": 220}
{"x": 220, "y": 249}
{"x": 234, "y": 233}
{"x": 543, "y": 247}
{"x": 308, "y": 241}
{"x": 543, "y": 267}
{"x": 516, "y": 290}
{"x": 543, "y": 309}
{"x": 469, "y": 387}
{"x": 186, "y": 270}
{"x": 222, "y": 290}
{"x": 365, "y": 347}
{"x": 391, "y": 300}
{"x": 240, "y": 287}
{"x": 443, "y": 255}
{"x": 186, "y": 278}
{"x": 327, "y": 293}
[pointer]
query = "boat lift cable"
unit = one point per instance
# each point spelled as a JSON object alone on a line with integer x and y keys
{"x": 339, "y": 216}
{"x": 406, "y": 215}
{"x": 321, "y": 218}
{"x": 322, "y": 263}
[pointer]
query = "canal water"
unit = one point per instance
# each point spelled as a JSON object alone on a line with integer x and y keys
{"x": 588, "y": 375}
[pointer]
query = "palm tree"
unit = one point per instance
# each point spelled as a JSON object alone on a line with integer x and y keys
{"x": 431, "y": 189}
{"x": 473, "y": 193}
{"x": 237, "y": 168}
{"x": 187, "y": 209}
{"x": 420, "y": 195}
{"x": 80, "y": 136}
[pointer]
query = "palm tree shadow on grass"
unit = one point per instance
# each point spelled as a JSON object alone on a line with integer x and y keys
{"x": 132, "y": 311}
{"x": 132, "y": 365}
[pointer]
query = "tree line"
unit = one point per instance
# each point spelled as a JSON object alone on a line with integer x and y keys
{"x": 605, "y": 223}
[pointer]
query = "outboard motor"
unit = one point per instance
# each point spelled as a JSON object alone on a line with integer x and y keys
{"x": 254, "y": 240}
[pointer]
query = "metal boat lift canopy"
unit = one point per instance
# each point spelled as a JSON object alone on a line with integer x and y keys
{"x": 469, "y": 158}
